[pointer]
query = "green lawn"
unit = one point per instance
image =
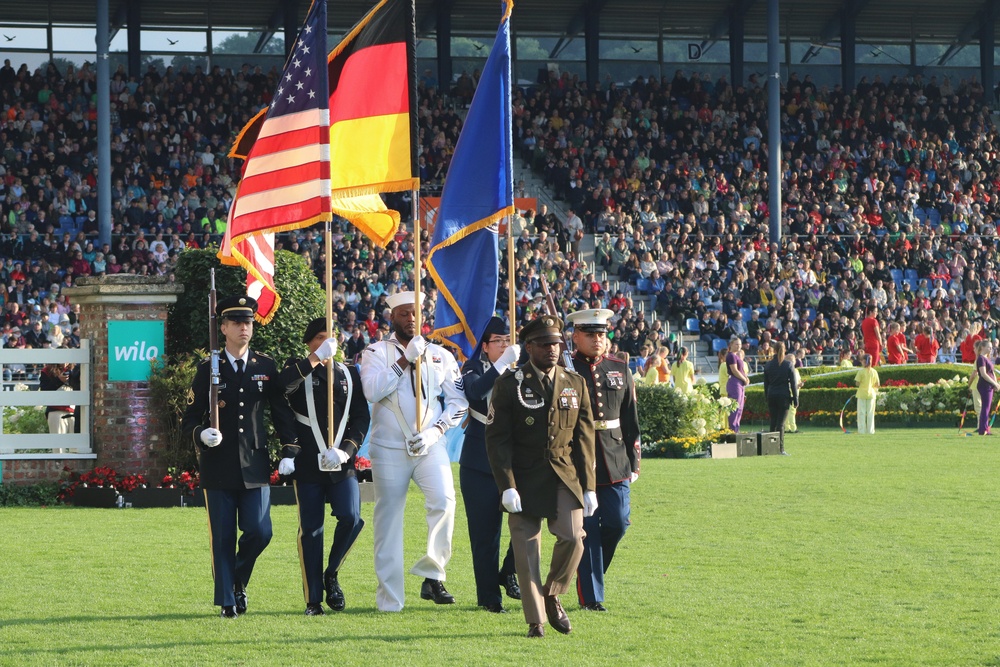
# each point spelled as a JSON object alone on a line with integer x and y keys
{"x": 880, "y": 550}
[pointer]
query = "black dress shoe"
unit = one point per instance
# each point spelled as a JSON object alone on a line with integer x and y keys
{"x": 228, "y": 611}
{"x": 314, "y": 609}
{"x": 557, "y": 615}
{"x": 432, "y": 589}
{"x": 334, "y": 594}
{"x": 241, "y": 599}
{"x": 593, "y": 606}
{"x": 494, "y": 608}
{"x": 535, "y": 630}
{"x": 509, "y": 583}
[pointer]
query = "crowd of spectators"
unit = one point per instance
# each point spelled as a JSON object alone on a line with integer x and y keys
{"x": 890, "y": 195}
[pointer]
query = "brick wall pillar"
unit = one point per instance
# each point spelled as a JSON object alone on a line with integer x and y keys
{"x": 125, "y": 434}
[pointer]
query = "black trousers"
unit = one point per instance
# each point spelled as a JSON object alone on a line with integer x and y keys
{"x": 485, "y": 517}
{"x": 777, "y": 407}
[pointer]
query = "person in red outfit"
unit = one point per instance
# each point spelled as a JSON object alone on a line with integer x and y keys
{"x": 896, "y": 349}
{"x": 871, "y": 332}
{"x": 968, "y": 345}
{"x": 926, "y": 345}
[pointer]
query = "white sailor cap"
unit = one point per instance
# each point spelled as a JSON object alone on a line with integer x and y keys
{"x": 595, "y": 319}
{"x": 402, "y": 299}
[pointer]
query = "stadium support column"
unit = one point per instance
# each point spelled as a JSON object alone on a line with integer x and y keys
{"x": 133, "y": 34}
{"x": 291, "y": 24}
{"x": 774, "y": 121}
{"x": 592, "y": 43}
{"x": 104, "y": 121}
{"x": 736, "y": 50}
{"x": 445, "y": 66}
{"x": 848, "y": 44}
{"x": 987, "y": 59}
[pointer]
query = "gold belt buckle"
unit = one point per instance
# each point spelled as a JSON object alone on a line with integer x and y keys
{"x": 601, "y": 425}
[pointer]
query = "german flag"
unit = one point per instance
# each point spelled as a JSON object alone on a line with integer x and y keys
{"x": 373, "y": 103}
{"x": 372, "y": 76}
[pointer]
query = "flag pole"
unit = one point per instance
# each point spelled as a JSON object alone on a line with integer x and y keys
{"x": 328, "y": 270}
{"x": 511, "y": 297}
{"x": 415, "y": 203}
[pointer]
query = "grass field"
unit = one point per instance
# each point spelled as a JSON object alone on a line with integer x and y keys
{"x": 854, "y": 550}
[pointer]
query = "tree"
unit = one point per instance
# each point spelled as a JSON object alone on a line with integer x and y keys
{"x": 302, "y": 300}
{"x": 245, "y": 44}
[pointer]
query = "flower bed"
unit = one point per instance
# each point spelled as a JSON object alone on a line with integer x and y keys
{"x": 674, "y": 424}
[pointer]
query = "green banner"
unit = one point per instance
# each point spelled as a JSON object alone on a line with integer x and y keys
{"x": 131, "y": 346}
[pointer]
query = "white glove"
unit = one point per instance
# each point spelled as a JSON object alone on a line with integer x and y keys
{"x": 286, "y": 466}
{"x": 421, "y": 442}
{"x": 334, "y": 457}
{"x": 415, "y": 348}
{"x": 635, "y": 476}
{"x": 508, "y": 358}
{"x": 327, "y": 349}
{"x": 589, "y": 503}
{"x": 511, "y": 501}
{"x": 211, "y": 437}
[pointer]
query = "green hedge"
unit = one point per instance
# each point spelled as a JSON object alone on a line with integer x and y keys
{"x": 28, "y": 495}
{"x": 829, "y": 400}
{"x": 913, "y": 373}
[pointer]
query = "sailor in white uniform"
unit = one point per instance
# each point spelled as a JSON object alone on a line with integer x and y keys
{"x": 402, "y": 449}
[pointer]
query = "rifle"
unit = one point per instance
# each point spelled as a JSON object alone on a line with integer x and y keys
{"x": 213, "y": 344}
{"x": 550, "y": 308}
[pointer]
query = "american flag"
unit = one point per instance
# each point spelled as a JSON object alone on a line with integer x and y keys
{"x": 286, "y": 177}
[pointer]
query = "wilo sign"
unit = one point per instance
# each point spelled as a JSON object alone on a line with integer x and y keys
{"x": 131, "y": 346}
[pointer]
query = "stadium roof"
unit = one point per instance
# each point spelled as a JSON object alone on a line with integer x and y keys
{"x": 955, "y": 21}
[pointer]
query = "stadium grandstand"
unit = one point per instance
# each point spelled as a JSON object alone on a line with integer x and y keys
{"x": 640, "y": 130}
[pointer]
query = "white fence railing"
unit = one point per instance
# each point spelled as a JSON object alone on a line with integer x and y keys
{"x": 45, "y": 445}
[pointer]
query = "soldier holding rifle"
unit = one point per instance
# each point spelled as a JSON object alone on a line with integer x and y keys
{"x": 233, "y": 457}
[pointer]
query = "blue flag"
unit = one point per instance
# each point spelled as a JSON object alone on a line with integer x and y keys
{"x": 478, "y": 192}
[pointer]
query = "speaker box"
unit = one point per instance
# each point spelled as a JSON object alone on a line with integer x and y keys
{"x": 746, "y": 444}
{"x": 770, "y": 443}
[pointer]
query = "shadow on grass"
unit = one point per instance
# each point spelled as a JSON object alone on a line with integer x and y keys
{"x": 350, "y": 637}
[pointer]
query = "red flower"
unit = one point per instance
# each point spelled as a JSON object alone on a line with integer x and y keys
{"x": 361, "y": 463}
{"x": 275, "y": 477}
{"x": 167, "y": 480}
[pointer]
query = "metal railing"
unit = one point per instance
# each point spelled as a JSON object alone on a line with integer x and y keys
{"x": 20, "y": 446}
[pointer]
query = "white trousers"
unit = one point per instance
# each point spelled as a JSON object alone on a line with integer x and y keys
{"x": 392, "y": 470}
{"x": 866, "y": 416}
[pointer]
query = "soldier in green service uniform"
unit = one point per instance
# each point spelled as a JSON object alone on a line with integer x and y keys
{"x": 540, "y": 442}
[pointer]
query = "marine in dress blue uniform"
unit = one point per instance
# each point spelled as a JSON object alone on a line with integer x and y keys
{"x": 322, "y": 467}
{"x": 479, "y": 490}
{"x": 616, "y": 423}
{"x": 234, "y": 462}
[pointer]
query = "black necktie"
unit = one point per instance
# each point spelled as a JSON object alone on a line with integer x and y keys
{"x": 239, "y": 370}
{"x": 547, "y": 386}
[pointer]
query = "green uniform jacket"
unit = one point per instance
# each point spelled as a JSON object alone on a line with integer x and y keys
{"x": 533, "y": 450}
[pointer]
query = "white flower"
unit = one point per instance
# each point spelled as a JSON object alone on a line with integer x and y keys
{"x": 14, "y": 417}
{"x": 940, "y": 406}
{"x": 20, "y": 387}
{"x": 700, "y": 381}
{"x": 928, "y": 402}
{"x": 701, "y": 431}
{"x": 725, "y": 401}
{"x": 904, "y": 407}
{"x": 955, "y": 379}
{"x": 698, "y": 423}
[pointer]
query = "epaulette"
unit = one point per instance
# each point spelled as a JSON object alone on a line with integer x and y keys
{"x": 571, "y": 371}
{"x": 266, "y": 356}
{"x": 615, "y": 359}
